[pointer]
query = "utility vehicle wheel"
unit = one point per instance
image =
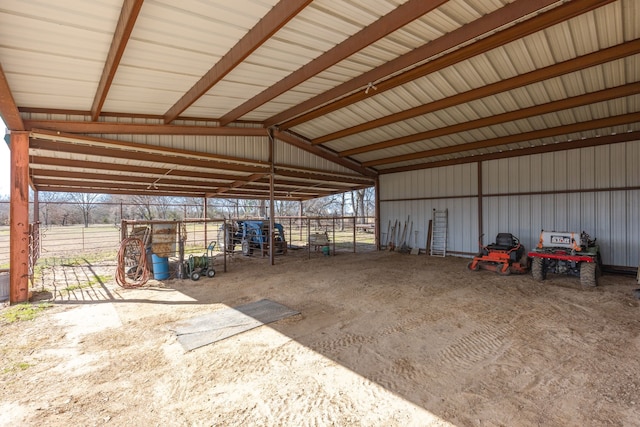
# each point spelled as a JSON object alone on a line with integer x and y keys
{"x": 471, "y": 267}
{"x": 524, "y": 260}
{"x": 211, "y": 273}
{"x": 195, "y": 276}
{"x": 588, "y": 274}
{"x": 537, "y": 269}
{"x": 246, "y": 248}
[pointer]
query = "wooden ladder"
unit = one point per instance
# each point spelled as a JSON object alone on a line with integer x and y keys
{"x": 439, "y": 233}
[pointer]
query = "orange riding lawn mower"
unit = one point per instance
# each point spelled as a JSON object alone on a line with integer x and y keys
{"x": 506, "y": 256}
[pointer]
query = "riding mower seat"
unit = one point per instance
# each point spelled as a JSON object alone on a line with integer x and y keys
{"x": 504, "y": 242}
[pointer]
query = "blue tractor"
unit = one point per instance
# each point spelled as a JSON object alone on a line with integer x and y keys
{"x": 251, "y": 235}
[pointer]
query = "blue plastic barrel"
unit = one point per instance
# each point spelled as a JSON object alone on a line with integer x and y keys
{"x": 160, "y": 267}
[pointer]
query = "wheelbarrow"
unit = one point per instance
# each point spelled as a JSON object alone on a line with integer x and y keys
{"x": 198, "y": 266}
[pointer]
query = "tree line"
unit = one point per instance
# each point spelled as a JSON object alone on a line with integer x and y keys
{"x": 86, "y": 209}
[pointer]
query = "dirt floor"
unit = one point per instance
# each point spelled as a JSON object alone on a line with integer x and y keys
{"x": 383, "y": 339}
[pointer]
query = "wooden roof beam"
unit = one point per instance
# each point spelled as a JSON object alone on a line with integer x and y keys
{"x": 572, "y": 65}
{"x": 126, "y": 22}
{"x": 109, "y": 177}
{"x": 141, "y": 156}
{"x": 511, "y": 139}
{"x": 115, "y": 128}
{"x": 8, "y": 108}
{"x": 398, "y": 18}
{"x": 540, "y": 149}
{"x": 537, "y": 110}
{"x": 239, "y": 183}
{"x": 322, "y": 152}
{"x": 504, "y": 16}
{"x": 274, "y": 20}
{"x": 36, "y": 161}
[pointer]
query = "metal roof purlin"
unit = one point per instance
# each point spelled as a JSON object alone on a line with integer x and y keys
{"x": 126, "y": 22}
{"x": 275, "y": 19}
{"x": 530, "y": 26}
{"x": 389, "y": 23}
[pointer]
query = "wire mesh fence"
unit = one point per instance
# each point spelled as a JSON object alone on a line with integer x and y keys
{"x": 59, "y": 244}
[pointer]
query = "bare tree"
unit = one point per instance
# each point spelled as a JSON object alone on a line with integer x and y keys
{"x": 194, "y": 207}
{"x": 86, "y": 202}
{"x": 357, "y": 200}
{"x": 50, "y": 206}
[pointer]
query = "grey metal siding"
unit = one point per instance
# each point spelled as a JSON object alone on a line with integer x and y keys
{"x": 595, "y": 189}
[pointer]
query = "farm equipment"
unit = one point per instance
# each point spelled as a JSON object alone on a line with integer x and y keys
{"x": 251, "y": 235}
{"x": 506, "y": 256}
{"x": 198, "y": 266}
{"x": 566, "y": 253}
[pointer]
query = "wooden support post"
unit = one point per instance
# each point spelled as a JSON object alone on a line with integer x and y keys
{"x": 205, "y": 214}
{"x": 480, "y": 197}
{"x": 272, "y": 227}
{"x": 376, "y": 230}
{"x": 19, "y": 218}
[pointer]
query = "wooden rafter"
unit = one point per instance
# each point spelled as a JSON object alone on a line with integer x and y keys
{"x": 126, "y": 22}
{"x": 389, "y": 23}
{"x": 535, "y": 24}
{"x": 275, "y": 19}
{"x": 8, "y": 109}
{"x": 560, "y": 146}
{"x": 306, "y": 145}
{"x": 550, "y": 107}
{"x": 559, "y": 69}
{"x": 114, "y": 128}
{"x": 141, "y": 156}
{"x": 237, "y": 184}
{"x": 511, "y": 139}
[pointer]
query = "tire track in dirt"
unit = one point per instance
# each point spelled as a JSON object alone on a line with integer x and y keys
{"x": 333, "y": 346}
{"x": 411, "y": 322}
{"x": 400, "y": 374}
{"x": 475, "y": 347}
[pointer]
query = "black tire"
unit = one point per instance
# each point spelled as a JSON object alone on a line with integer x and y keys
{"x": 501, "y": 272}
{"x": 599, "y": 267}
{"x": 537, "y": 269}
{"x": 472, "y": 268}
{"x": 211, "y": 273}
{"x": 588, "y": 274}
{"x": 195, "y": 276}
{"x": 524, "y": 259}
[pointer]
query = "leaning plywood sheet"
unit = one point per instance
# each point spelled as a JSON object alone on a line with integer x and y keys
{"x": 227, "y": 322}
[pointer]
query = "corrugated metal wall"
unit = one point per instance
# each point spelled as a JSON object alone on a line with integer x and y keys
{"x": 594, "y": 189}
{"x": 413, "y": 196}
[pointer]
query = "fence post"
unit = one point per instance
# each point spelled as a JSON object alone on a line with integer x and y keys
{"x": 354, "y": 234}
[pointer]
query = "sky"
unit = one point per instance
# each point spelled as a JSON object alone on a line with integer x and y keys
{"x": 5, "y": 162}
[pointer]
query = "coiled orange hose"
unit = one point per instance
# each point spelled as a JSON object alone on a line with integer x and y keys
{"x": 132, "y": 271}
